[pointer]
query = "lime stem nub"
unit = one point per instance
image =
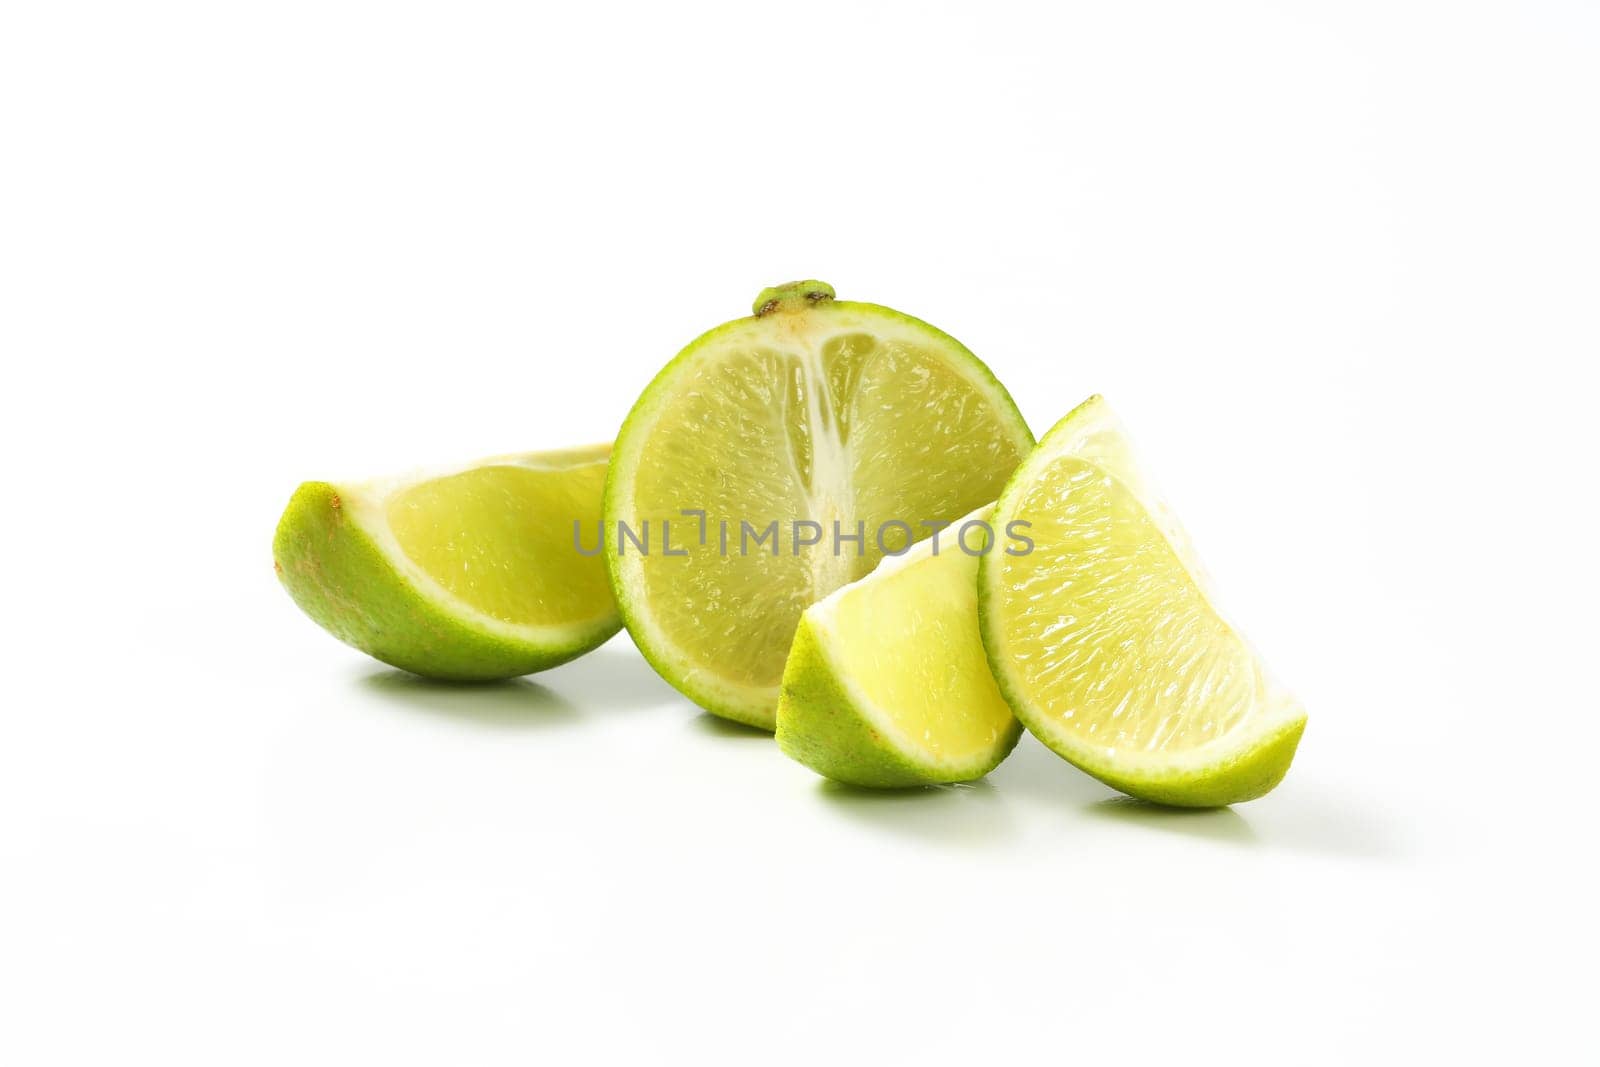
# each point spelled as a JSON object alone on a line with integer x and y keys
{"x": 795, "y": 296}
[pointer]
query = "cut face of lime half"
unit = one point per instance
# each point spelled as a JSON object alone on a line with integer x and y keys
{"x": 887, "y": 684}
{"x": 472, "y": 573}
{"x": 1105, "y": 638}
{"x": 779, "y": 457}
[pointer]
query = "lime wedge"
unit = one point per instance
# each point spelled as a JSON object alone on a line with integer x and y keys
{"x": 814, "y": 417}
{"x": 1105, "y": 638}
{"x": 469, "y": 574}
{"x": 887, "y": 684}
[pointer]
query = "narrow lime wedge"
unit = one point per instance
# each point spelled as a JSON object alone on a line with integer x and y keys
{"x": 887, "y": 684}
{"x": 858, "y": 420}
{"x": 1105, "y": 638}
{"x": 470, "y": 574}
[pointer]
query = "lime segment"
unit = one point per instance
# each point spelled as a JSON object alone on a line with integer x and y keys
{"x": 1107, "y": 642}
{"x": 888, "y": 684}
{"x": 467, "y": 574}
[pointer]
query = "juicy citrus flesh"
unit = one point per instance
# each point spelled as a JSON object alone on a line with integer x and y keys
{"x": 470, "y": 574}
{"x": 1105, "y": 638}
{"x": 910, "y": 642}
{"x": 905, "y": 665}
{"x": 500, "y": 538}
{"x": 843, "y": 415}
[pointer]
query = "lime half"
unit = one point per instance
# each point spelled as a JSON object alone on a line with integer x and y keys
{"x": 779, "y": 457}
{"x": 468, "y": 574}
{"x": 1105, "y": 638}
{"x": 887, "y": 684}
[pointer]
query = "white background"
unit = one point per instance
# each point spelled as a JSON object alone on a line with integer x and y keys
{"x": 1337, "y": 266}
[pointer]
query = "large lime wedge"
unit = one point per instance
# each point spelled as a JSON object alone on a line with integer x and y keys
{"x": 859, "y": 420}
{"x": 1105, "y": 638}
{"x": 469, "y": 574}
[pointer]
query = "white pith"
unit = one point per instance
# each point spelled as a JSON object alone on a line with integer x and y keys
{"x": 366, "y": 503}
{"x": 828, "y": 496}
{"x": 1092, "y": 433}
{"x": 830, "y": 493}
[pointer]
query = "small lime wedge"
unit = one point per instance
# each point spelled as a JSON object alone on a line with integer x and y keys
{"x": 887, "y": 684}
{"x": 470, "y": 574}
{"x": 1105, "y": 638}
